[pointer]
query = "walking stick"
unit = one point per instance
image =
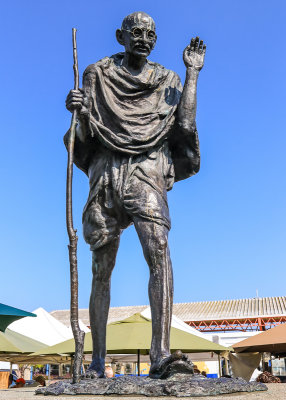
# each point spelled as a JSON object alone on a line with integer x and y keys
{"x": 77, "y": 332}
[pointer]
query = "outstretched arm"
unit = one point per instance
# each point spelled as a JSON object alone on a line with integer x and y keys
{"x": 193, "y": 56}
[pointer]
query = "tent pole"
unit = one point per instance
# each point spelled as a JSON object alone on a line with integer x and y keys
{"x": 138, "y": 362}
{"x": 219, "y": 366}
{"x": 72, "y": 356}
{"x": 226, "y": 366}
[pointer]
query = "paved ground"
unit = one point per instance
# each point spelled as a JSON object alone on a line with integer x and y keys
{"x": 276, "y": 391}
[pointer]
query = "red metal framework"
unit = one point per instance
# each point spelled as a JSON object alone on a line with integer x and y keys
{"x": 243, "y": 325}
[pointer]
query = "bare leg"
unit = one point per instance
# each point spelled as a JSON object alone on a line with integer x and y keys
{"x": 103, "y": 261}
{"x": 154, "y": 241}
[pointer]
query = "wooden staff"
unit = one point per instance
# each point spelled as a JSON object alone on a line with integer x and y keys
{"x": 77, "y": 332}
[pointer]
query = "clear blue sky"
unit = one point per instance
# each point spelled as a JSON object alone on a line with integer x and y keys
{"x": 228, "y": 222}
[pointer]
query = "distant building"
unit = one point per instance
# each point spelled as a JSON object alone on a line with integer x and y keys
{"x": 244, "y": 315}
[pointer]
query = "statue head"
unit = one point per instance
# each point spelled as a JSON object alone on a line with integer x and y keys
{"x": 137, "y": 34}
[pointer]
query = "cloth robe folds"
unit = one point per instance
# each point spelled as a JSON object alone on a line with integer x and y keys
{"x": 133, "y": 115}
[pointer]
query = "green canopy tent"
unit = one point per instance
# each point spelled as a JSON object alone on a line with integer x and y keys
{"x": 10, "y": 314}
{"x": 15, "y": 348}
{"x": 133, "y": 336}
{"x": 134, "y": 333}
{"x": 25, "y": 358}
{"x": 14, "y": 343}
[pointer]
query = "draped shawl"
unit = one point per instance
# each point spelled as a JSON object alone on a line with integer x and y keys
{"x": 134, "y": 114}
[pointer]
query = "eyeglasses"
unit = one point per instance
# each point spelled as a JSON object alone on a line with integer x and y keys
{"x": 138, "y": 33}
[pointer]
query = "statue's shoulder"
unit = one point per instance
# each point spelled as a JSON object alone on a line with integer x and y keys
{"x": 101, "y": 64}
{"x": 165, "y": 72}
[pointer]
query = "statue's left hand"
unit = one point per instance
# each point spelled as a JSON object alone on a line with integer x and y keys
{"x": 194, "y": 54}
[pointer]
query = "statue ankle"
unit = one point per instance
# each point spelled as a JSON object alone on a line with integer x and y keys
{"x": 95, "y": 370}
{"x": 176, "y": 363}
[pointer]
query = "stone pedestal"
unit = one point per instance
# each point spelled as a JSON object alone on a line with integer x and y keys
{"x": 178, "y": 385}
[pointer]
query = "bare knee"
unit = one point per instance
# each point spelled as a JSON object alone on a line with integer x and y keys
{"x": 155, "y": 251}
{"x": 161, "y": 243}
{"x": 103, "y": 262}
{"x": 101, "y": 278}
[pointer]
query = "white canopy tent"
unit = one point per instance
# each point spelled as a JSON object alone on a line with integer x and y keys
{"x": 179, "y": 324}
{"x": 44, "y": 328}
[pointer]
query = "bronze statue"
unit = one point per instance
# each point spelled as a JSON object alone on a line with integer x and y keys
{"x": 136, "y": 135}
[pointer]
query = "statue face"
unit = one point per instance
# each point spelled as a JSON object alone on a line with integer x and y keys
{"x": 138, "y": 35}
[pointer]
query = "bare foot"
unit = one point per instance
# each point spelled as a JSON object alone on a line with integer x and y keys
{"x": 92, "y": 374}
{"x": 176, "y": 363}
{"x": 95, "y": 370}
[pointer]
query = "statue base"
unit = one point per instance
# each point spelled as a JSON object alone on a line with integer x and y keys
{"x": 178, "y": 385}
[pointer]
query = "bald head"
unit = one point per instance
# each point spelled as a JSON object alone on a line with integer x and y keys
{"x": 137, "y": 35}
{"x": 138, "y": 18}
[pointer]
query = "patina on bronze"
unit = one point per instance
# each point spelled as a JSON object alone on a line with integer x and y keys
{"x": 135, "y": 136}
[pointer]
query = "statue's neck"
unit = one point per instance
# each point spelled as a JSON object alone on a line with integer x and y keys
{"x": 135, "y": 65}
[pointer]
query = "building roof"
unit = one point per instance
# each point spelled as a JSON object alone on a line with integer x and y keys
{"x": 115, "y": 314}
{"x": 231, "y": 309}
{"x": 198, "y": 311}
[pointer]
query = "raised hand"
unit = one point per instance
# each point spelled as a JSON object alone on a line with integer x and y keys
{"x": 194, "y": 54}
{"x": 74, "y": 100}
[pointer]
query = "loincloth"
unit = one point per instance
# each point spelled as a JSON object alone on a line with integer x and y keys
{"x": 124, "y": 187}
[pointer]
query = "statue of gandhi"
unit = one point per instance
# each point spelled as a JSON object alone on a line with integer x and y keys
{"x": 136, "y": 135}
